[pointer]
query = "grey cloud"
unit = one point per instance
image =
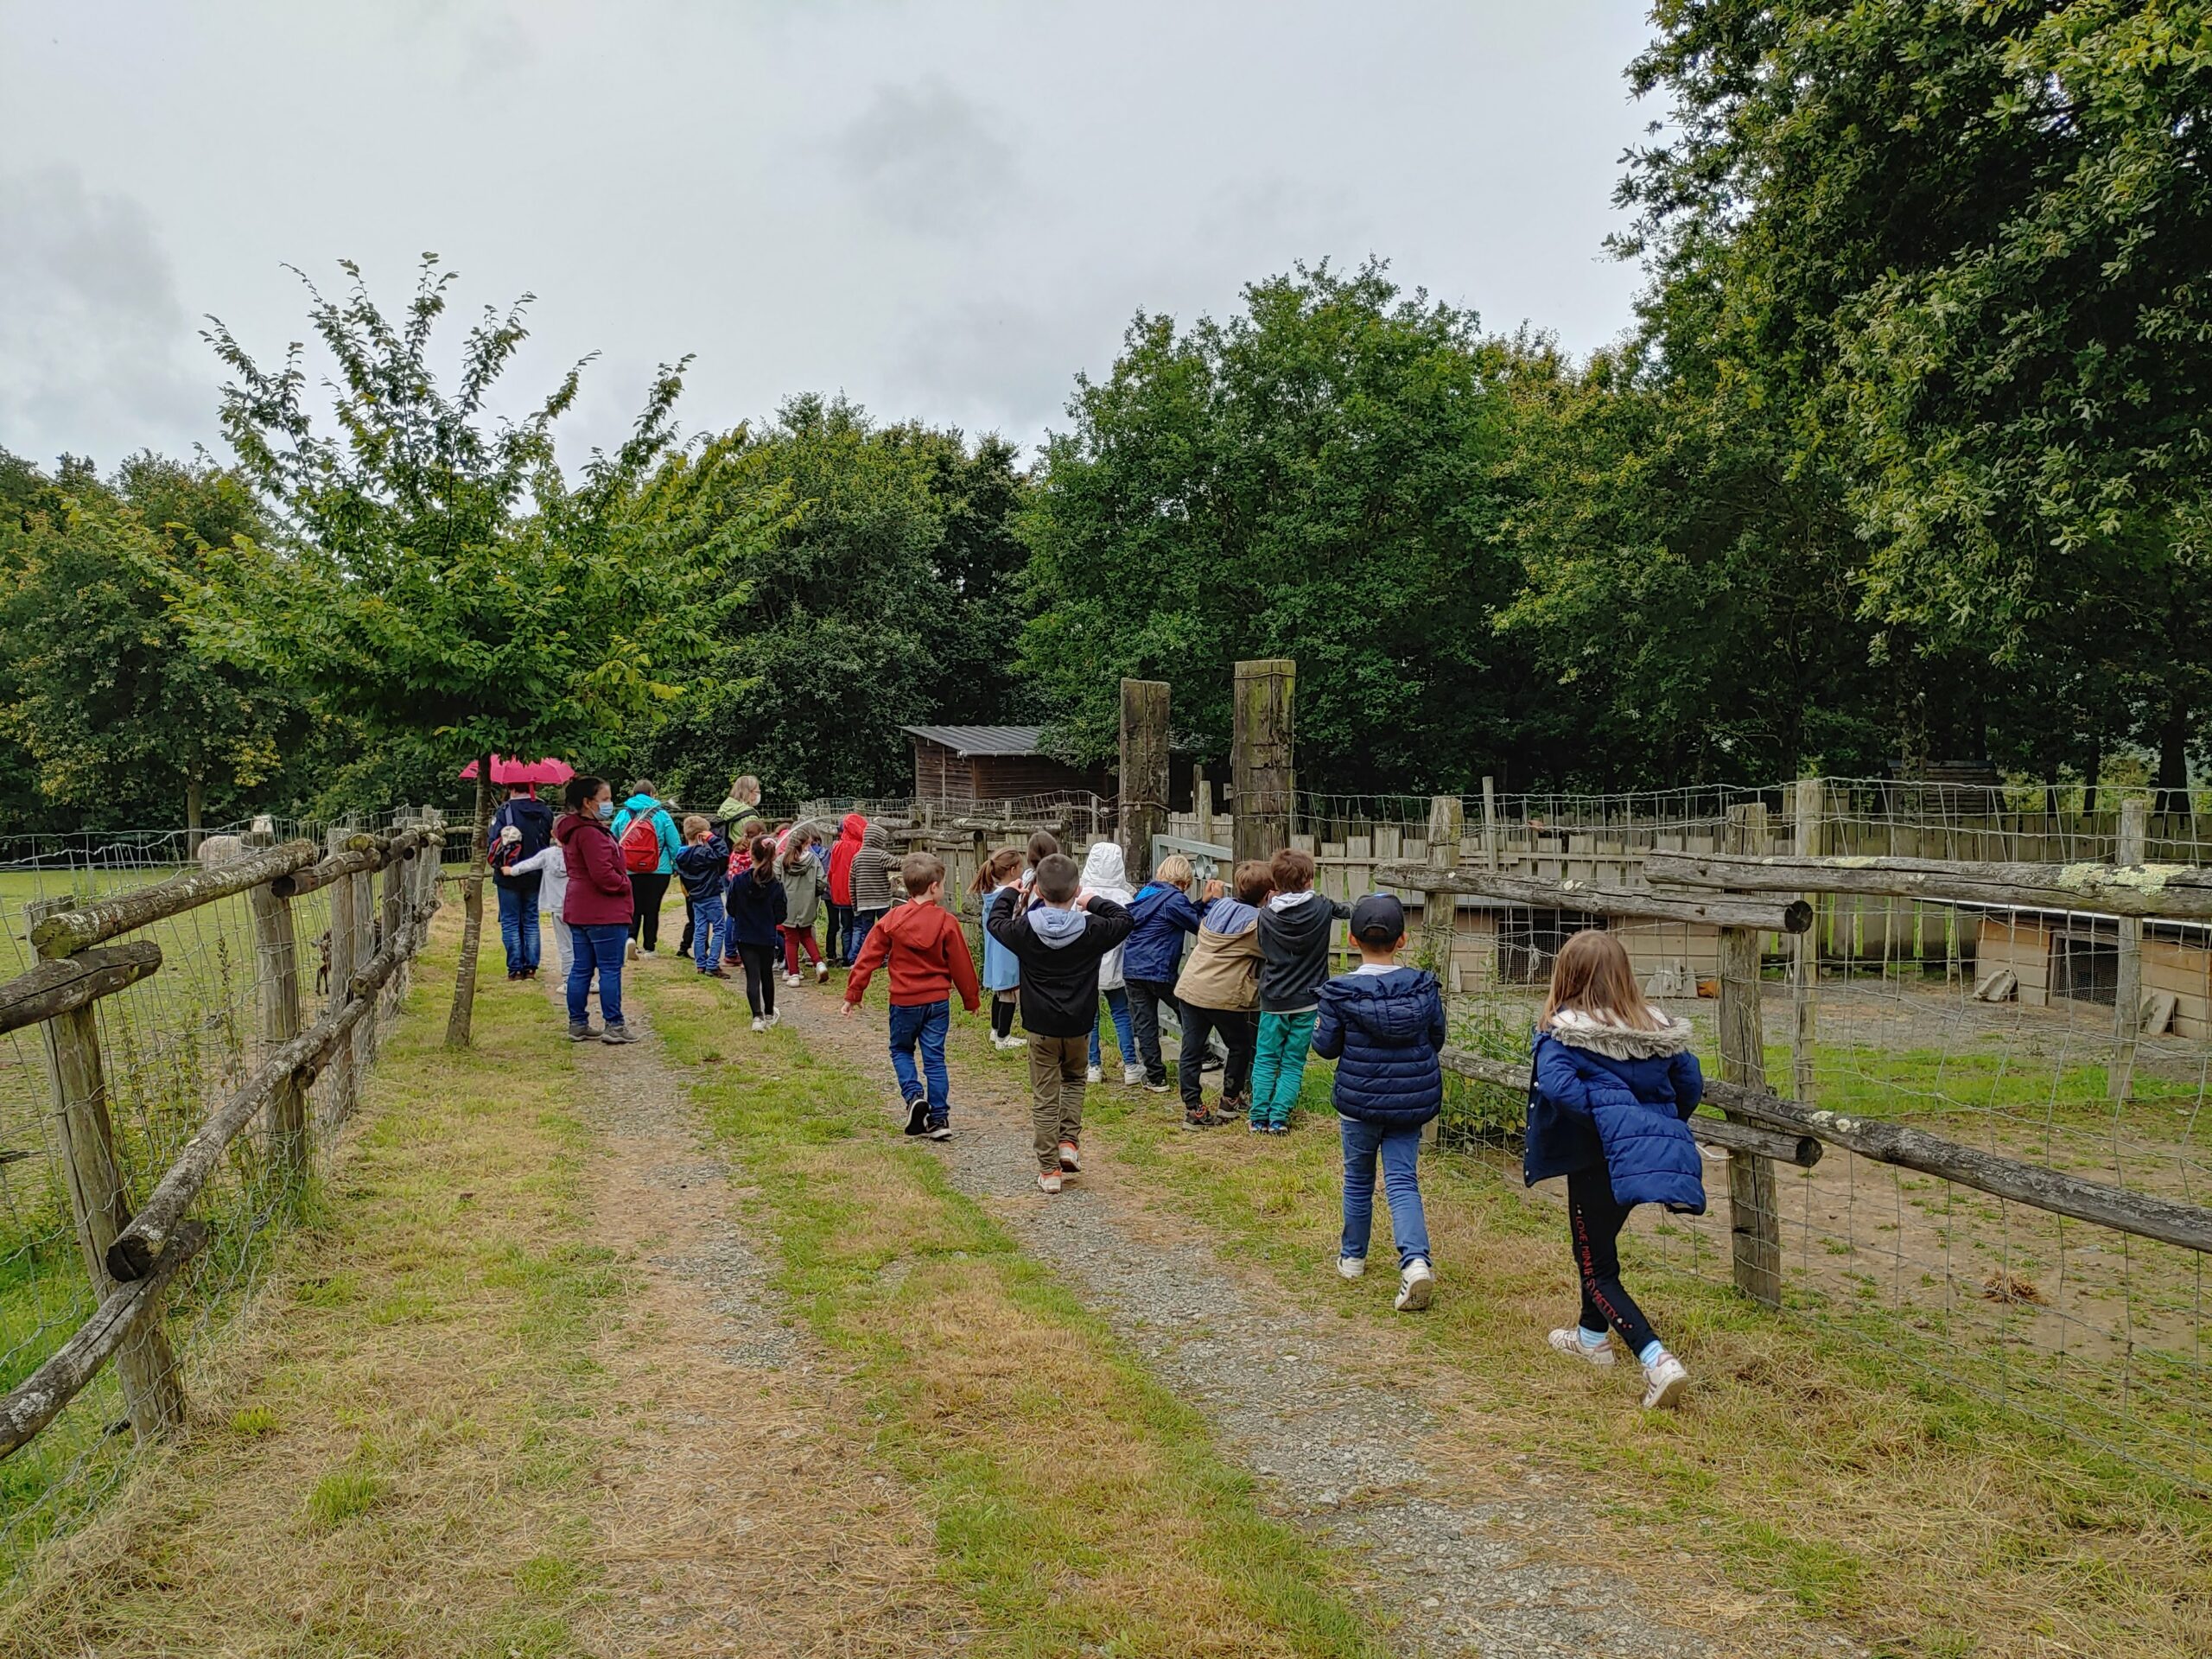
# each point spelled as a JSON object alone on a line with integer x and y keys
{"x": 93, "y": 340}
{"x": 925, "y": 157}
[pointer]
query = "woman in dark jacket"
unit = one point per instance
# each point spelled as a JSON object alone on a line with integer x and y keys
{"x": 756, "y": 909}
{"x": 597, "y": 906}
{"x": 1612, "y": 1085}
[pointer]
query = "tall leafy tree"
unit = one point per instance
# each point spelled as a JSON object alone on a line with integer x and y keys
{"x": 1312, "y": 477}
{"x": 431, "y": 571}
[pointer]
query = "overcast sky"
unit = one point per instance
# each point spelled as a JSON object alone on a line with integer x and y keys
{"x": 944, "y": 210}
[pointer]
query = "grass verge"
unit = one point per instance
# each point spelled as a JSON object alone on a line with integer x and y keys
{"x": 390, "y": 1457}
{"x": 1078, "y": 1503}
{"x": 1931, "y": 1522}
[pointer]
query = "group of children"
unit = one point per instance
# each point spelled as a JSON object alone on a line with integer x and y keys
{"x": 1613, "y": 1080}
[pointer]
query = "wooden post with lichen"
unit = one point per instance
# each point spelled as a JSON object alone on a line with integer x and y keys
{"x": 1263, "y": 780}
{"x": 1754, "y": 1214}
{"x": 1805, "y": 949}
{"x": 276, "y": 984}
{"x": 1440, "y": 907}
{"x": 2128, "y": 994}
{"x": 1143, "y": 782}
{"x": 99, "y": 1206}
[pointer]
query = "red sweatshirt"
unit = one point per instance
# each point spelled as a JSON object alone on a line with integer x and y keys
{"x": 599, "y": 886}
{"x": 928, "y": 957}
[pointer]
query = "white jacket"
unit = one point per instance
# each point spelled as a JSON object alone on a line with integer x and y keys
{"x": 552, "y": 865}
{"x": 1106, "y": 874}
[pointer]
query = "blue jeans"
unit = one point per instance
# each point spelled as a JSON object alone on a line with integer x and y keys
{"x": 1397, "y": 1149}
{"x": 518, "y": 922}
{"x": 599, "y": 947}
{"x": 1117, "y": 1004}
{"x": 857, "y": 929}
{"x": 710, "y": 922}
{"x": 925, "y": 1023}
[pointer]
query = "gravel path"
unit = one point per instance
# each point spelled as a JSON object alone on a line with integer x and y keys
{"x": 1451, "y": 1571}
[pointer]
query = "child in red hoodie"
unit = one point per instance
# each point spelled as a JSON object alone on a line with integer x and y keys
{"x": 928, "y": 961}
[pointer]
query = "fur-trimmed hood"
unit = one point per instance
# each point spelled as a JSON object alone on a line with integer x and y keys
{"x": 1618, "y": 1042}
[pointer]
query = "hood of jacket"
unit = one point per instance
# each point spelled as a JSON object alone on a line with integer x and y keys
{"x": 841, "y": 857}
{"x": 1104, "y": 870}
{"x": 1300, "y": 925}
{"x": 569, "y": 825}
{"x": 876, "y": 836}
{"x": 1576, "y": 1029}
{"x": 1057, "y": 928}
{"x": 1230, "y": 917}
{"x": 1393, "y": 1008}
{"x": 641, "y": 802}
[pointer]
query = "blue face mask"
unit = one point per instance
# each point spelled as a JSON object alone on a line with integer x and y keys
{"x": 606, "y": 810}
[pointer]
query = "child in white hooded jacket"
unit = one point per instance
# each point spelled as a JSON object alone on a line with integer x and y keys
{"x": 1106, "y": 876}
{"x": 551, "y": 864}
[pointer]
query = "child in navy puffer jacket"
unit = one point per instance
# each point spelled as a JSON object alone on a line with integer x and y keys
{"x": 1383, "y": 1025}
{"x": 1613, "y": 1084}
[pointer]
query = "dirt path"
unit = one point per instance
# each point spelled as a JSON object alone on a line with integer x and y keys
{"x": 1461, "y": 1561}
{"x": 744, "y": 1515}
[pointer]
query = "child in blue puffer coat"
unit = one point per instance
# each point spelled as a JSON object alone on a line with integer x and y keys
{"x": 1614, "y": 1083}
{"x": 1383, "y": 1025}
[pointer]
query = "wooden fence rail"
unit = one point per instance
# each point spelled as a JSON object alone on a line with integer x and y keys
{"x": 132, "y": 1257}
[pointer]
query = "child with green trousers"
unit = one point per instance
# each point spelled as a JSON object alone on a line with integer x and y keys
{"x": 1383, "y": 1025}
{"x": 1295, "y": 927}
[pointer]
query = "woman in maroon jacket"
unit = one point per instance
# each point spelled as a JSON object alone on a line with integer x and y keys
{"x": 597, "y": 908}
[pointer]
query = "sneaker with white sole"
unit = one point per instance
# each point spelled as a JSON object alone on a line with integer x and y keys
{"x": 760, "y": 1023}
{"x": 918, "y": 1115}
{"x": 822, "y": 973}
{"x": 1664, "y": 1382}
{"x": 1351, "y": 1267}
{"x": 1416, "y": 1284}
{"x": 1133, "y": 1077}
{"x": 1071, "y": 1157}
{"x": 942, "y": 1132}
{"x": 775, "y": 1017}
{"x": 791, "y": 979}
{"x": 1049, "y": 1179}
{"x": 1096, "y": 1074}
{"x": 1569, "y": 1342}
{"x": 1160, "y": 1087}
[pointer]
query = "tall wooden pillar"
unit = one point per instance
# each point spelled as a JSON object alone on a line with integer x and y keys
{"x": 1144, "y": 773}
{"x": 1754, "y": 1205}
{"x": 1260, "y": 758}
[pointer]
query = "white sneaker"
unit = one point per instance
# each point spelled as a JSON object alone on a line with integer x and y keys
{"x": 1415, "y": 1286}
{"x": 1071, "y": 1157}
{"x": 647, "y": 950}
{"x": 1049, "y": 1179}
{"x": 1132, "y": 1077}
{"x": 791, "y": 979}
{"x": 1664, "y": 1381}
{"x": 760, "y": 1023}
{"x": 775, "y": 1019}
{"x": 822, "y": 973}
{"x": 1351, "y": 1267}
{"x": 1569, "y": 1342}
{"x": 1096, "y": 1075}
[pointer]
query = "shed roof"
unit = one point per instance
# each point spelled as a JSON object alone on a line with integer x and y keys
{"x": 969, "y": 740}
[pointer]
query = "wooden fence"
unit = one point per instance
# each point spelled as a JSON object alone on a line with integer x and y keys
{"x": 133, "y": 1249}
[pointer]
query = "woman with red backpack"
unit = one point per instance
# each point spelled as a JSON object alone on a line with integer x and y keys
{"x": 646, "y": 836}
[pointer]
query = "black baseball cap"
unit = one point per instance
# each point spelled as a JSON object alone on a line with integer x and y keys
{"x": 1378, "y": 919}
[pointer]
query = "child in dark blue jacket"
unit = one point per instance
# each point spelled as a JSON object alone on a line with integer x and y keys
{"x": 1613, "y": 1084}
{"x": 756, "y": 907}
{"x": 1162, "y": 913}
{"x": 1383, "y": 1025}
{"x": 703, "y": 868}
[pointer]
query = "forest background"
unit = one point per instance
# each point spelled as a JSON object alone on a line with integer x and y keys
{"x": 1906, "y": 460}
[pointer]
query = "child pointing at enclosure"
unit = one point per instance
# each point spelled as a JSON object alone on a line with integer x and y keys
{"x": 928, "y": 958}
{"x": 1614, "y": 1083}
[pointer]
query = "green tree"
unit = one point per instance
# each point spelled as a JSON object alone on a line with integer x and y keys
{"x": 430, "y": 569}
{"x": 1311, "y": 478}
{"x": 117, "y": 705}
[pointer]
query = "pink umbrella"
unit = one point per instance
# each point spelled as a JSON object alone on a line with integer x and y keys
{"x": 507, "y": 770}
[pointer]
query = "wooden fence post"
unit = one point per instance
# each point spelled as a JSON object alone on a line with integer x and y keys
{"x": 153, "y": 1392}
{"x": 1202, "y": 802}
{"x": 2127, "y": 997}
{"x": 1754, "y": 1218}
{"x": 1144, "y": 773}
{"x": 1490, "y": 822}
{"x": 1439, "y": 908}
{"x": 1805, "y": 948}
{"x": 393, "y": 918}
{"x": 363, "y": 1040}
{"x": 344, "y": 1081}
{"x": 276, "y": 983}
{"x": 1262, "y": 779}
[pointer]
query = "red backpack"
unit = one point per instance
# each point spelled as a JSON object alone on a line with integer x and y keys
{"x": 641, "y": 844}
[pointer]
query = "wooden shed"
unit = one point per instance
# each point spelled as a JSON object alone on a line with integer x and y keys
{"x": 2060, "y": 958}
{"x": 957, "y": 766}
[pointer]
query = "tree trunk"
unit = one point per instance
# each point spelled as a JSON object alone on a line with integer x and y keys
{"x": 472, "y": 932}
{"x": 196, "y": 811}
{"x": 2173, "y": 759}
{"x": 2092, "y": 769}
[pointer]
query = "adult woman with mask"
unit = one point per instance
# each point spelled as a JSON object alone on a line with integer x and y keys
{"x": 597, "y": 906}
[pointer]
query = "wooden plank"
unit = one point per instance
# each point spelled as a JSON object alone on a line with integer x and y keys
{"x": 1804, "y": 948}
{"x": 1764, "y": 915}
{"x": 63, "y": 933}
{"x": 2177, "y": 892}
{"x": 125, "y": 1314}
{"x": 53, "y": 989}
{"x": 1261, "y": 778}
{"x": 1143, "y": 778}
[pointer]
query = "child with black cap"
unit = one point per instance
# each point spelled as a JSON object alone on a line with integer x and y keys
{"x": 1383, "y": 1025}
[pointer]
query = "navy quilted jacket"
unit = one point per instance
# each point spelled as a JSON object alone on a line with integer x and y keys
{"x": 1162, "y": 915}
{"x": 1621, "y": 1098}
{"x": 1384, "y": 1032}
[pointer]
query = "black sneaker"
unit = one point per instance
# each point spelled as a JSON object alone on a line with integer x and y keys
{"x": 616, "y": 1033}
{"x": 580, "y": 1031}
{"x": 1202, "y": 1120}
{"x": 918, "y": 1115}
{"x": 941, "y": 1132}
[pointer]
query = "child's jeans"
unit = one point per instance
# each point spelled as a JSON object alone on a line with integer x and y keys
{"x": 1279, "y": 1067}
{"x": 795, "y": 939}
{"x": 838, "y": 933}
{"x": 926, "y": 1024}
{"x": 1117, "y": 1004}
{"x": 856, "y": 936}
{"x": 1147, "y": 996}
{"x": 709, "y": 921}
{"x": 518, "y": 922}
{"x": 599, "y": 949}
{"x": 1397, "y": 1149}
